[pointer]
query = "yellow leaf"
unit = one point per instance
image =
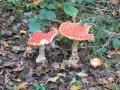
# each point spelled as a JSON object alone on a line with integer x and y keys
{"x": 23, "y": 31}
{"x": 36, "y": 2}
{"x": 75, "y": 86}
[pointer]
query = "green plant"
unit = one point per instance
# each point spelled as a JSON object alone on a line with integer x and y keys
{"x": 39, "y": 86}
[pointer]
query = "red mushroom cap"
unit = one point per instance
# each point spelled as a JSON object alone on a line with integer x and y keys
{"x": 74, "y": 31}
{"x": 39, "y": 38}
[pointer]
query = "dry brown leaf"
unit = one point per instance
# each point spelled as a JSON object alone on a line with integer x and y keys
{"x": 115, "y": 1}
{"x": 19, "y": 68}
{"x": 117, "y": 50}
{"x": 114, "y": 12}
{"x": 62, "y": 65}
{"x": 23, "y": 86}
{"x": 5, "y": 44}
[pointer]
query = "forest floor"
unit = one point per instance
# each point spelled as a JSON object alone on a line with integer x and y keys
{"x": 19, "y": 70}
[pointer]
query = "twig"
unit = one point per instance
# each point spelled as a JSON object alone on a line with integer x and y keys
{"x": 108, "y": 41}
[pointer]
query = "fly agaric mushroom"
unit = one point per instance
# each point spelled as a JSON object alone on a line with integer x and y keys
{"x": 77, "y": 33}
{"x": 40, "y": 39}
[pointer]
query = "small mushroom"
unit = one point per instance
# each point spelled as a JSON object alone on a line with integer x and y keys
{"x": 95, "y": 62}
{"x": 77, "y": 33}
{"x": 40, "y": 39}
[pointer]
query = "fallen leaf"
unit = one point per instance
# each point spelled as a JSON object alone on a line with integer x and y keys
{"x": 118, "y": 73}
{"x": 54, "y": 79}
{"x": 92, "y": 88}
{"x": 117, "y": 50}
{"x": 61, "y": 75}
{"x": 75, "y": 86}
{"x": 62, "y": 65}
{"x": 6, "y": 79}
{"x": 114, "y": 1}
{"x": 19, "y": 68}
{"x": 111, "y": 53}
{"x": 16, "y": 48}
{"x": 102, "y": 81}
{"x": 81, "y": 74}
{"x": 72, "y": 63}
{"x": 55, "y": 65}
{"x": 111, "y": 79}
{"x": 114, "y": 12}
{"x": 36, "y": 2}
{"x": 23, "y": 32}
{"x": 23, "y": 86}
{"x": 9, "y": 64}
{"x": 5, "y": 44}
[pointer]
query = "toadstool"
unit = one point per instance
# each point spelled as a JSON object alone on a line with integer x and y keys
{"x": 95, "y": 62}
{"x": 77, "y": 33}
{"x": 40, "y": 39}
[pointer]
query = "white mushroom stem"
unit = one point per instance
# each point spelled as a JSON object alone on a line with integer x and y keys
{"x": 74, "y": 45}
{"x": 74, "y": 48}
{"x": 41, "y": 57}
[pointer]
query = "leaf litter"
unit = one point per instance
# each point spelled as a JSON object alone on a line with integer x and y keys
{"x": 18, "y": 69}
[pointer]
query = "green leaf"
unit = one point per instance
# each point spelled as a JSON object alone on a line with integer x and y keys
{"x": 51, "y": 6}
{"x": 71, "y": 11}
{"x": 50, "y": 15}
{"x": 42, "y": 87}
{"x": 44, "y": 22}
{"x": 34, "y": 25}
{"x": 80, "y": 1}
{"x": 116, "y": 43}
{"x": 46, "y": 14}
{"x": 70, "y": 4}
{"x": 43, "y": 4}
{"x": 39, "y": 87}
{"x": 42, "y": 13}
{"x": 90, "y": 1}
{"x": 73, "y": 80}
